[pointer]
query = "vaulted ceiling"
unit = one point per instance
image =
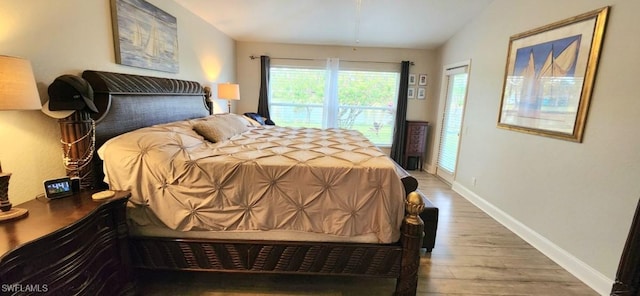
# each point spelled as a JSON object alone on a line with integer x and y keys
{"x": 423, "y": 24}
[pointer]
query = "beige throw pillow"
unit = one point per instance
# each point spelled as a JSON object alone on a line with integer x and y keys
{"x": 221, "y": 127}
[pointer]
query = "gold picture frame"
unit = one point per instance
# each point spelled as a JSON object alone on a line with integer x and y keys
{"x": 549, "y": 77}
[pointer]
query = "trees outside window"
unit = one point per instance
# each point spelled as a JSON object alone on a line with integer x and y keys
{"x": 366, "y": 100}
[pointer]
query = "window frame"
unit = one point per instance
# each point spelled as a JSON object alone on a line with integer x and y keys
{"x": 333, "y": 103}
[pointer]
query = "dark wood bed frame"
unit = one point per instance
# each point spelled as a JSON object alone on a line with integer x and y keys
{"x": 127, "y": 102}
{"x": 628, "y": 275}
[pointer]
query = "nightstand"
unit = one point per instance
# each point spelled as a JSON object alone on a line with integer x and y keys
{"x": 68, "y": 246}
{"x": 415, "y": 142}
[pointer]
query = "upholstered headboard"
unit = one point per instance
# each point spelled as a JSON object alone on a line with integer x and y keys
{"x": 128, "y": 102}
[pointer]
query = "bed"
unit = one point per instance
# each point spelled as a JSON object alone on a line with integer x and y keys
{"x": 257, "y": 237}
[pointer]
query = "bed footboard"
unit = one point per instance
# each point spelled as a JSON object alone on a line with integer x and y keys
{"x": 400, "y": 260}
{"x": 430, "y": 214}
{"x": 411, "y": 239}
{"x": 267, "y": 256}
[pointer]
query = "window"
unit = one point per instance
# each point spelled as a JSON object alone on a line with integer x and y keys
{"x": 349, "y": 97}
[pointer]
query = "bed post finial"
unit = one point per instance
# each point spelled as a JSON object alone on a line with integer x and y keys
{"x": 414, "y": 206}
{"x": 411, "y": 239}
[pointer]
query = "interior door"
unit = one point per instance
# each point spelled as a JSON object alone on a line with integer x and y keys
{"x": 457, "y": 81}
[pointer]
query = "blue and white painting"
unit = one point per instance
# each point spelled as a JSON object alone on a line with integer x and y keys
{"x": 145, "y": 36}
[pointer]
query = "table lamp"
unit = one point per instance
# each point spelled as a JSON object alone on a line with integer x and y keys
{"x": 18, "y": 91}
{"x": 229, "y": 92}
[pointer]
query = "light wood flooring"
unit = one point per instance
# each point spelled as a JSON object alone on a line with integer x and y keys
{"x": 474, "y": 255}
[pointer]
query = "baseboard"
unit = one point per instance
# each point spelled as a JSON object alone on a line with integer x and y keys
{"x": 591, "y": 277}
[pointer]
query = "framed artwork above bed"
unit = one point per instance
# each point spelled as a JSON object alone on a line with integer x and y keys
{"x": 144, "y": 36}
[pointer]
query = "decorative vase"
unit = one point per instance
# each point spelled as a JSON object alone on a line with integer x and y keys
{"x": 5, "y": 205}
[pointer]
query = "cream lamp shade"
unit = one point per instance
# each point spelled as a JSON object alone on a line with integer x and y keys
{"x": 229, "y": 91}
{"x": 18, "y": 89}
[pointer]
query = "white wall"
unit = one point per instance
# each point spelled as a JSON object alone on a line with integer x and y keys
{"x": 249, "y": 70}
{"x": 575, "y": 201}
{"x": 69, "y": 36}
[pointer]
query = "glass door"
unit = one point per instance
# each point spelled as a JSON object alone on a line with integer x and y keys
{"x": 457, "y": 79}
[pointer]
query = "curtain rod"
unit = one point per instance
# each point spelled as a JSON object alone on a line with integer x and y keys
{"x": 304, "y": 59}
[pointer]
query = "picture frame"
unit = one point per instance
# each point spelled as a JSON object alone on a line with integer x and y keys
{"x": 412, "y": 79}
{"x": 422, "y": 93}
{"x": 422, "y": 80}
{"x": 411, "y": 93}
{"x": 144, "y": 36}
{"x": 549, "y": 77}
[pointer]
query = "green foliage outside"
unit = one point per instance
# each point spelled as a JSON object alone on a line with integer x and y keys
{"x": 366, "y": 100}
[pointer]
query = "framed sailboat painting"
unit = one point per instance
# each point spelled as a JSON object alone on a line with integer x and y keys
{"x": 549, "y": 77}
{"x": 144, "y": 36}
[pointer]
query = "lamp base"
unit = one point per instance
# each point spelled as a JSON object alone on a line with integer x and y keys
{"x": 14, "y": 213}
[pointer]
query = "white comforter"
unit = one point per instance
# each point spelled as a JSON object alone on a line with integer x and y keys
{"x": 268, "y": 178}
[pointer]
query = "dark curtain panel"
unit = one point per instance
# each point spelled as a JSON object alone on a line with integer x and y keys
{"x": 399, "y": 134}
{"x": 263, "y": 99}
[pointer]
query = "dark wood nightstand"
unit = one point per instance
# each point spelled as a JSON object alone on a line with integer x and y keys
{"x": 68, "y": 246}
{"x": 416, "y": 142}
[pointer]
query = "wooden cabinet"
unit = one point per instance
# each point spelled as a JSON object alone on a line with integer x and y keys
{"x": 415, "y": 142}
{"x": 68, "y": 246}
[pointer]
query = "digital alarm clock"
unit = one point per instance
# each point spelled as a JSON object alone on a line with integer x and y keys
{"x": 57, "y": 188}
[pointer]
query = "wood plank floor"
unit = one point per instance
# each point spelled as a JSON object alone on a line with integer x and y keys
{"x": 474, "y": 255}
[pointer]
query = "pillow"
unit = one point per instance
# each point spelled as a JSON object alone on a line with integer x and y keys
{"x": 255, "y": 116}
{"x": 234, "y": 118}
{"x": 221, "y": 127}
{"x": 251, "y": 121}
{"x": 235, "y": 121}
